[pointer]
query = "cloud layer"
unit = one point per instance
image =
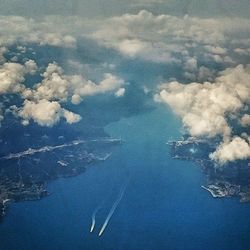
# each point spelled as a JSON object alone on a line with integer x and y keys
{"x": 211, "y": 53}
{"x": 176, "y": 40}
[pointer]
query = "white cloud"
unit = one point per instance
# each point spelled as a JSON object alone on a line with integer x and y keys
{"x": 55, "y": 39}
{"x": 240, "y": 51}
{"x": 164, "y": 38}
{"x": 45, "y": 113}
{"x": 71, "y": 117}
{"x": 193, "y": 43}
{"x": 216, "y": 49}
{"x": 12, "y": 75}
{"x": 109, "y": 83}
{"x": 76, "y": 99}
{"x": 150, "y": 37}
{"x": 157, "y": 38}
{"x": 31, "y": 67}
{"x": 205, "y": 74}
{"x": 191, "y": 64}
{"x": 48, "y": 31}
{"x": 54, "y": 85}
{"x": 42, "y": 101}
{"x": 236, "y": 149}
{"x": 120, "y": 92}
{"x": 204, "y": 107}
{"x": 131, "y": 47}
{"x": 245, "y": 120}
{"x": 58, "y": 86}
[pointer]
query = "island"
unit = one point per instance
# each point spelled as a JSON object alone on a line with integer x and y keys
{"x": 229, "y": 180}
{"x": 24, "y": 175}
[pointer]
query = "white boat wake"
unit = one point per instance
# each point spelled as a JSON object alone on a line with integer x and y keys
{"x": 93, "y": 219}
{"x": 113, "y": 208}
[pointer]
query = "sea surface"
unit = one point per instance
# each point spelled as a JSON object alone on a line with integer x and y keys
{"x": 163, "y": 205}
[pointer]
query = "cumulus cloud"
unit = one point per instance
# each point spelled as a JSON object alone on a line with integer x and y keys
{"x": 12, "y": 75}
{"x": 120, "y": 92}
{"x": 45, "y": 113}
{"x": 191, "y": 64}
{"x": 76, "y": 99}
{"x": 71, "y": 117}
{"x": 54, "y": 85}
{"x": 30, "y": 67}
{"x": 236, "y": 149}
{"x": 205, "y": 107}
{"x": 48, "y": 31}
{"x": 54, "y": 39}
{"x": 240, "y": 51}
{"x": 58, "y": 86}
{"x": 245, "y": 120}
{"x": 42, "y": 101}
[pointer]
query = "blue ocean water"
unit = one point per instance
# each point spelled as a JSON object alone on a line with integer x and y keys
{"x": 163, "y": 206}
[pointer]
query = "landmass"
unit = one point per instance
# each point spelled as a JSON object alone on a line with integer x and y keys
{"x": 24, "y": 175}
{"x": 229, "y": 180}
